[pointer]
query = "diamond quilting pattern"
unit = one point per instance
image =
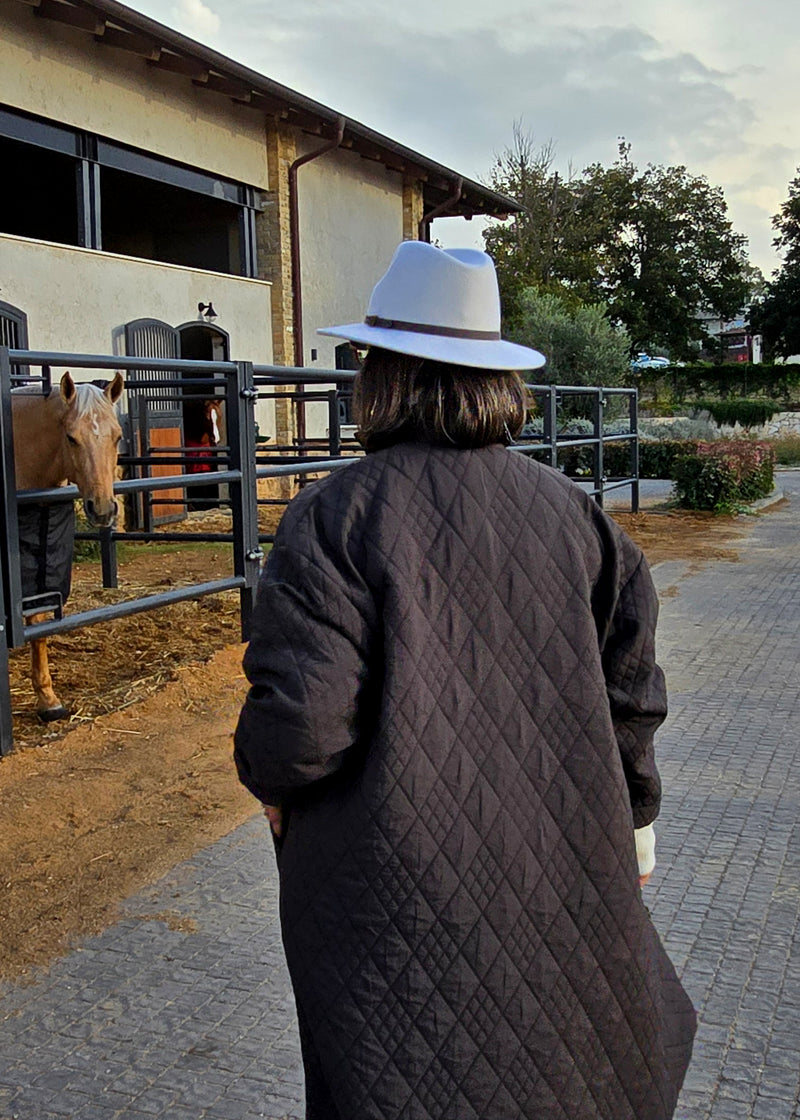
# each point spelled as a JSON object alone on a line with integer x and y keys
{"x": 461, "y": 916}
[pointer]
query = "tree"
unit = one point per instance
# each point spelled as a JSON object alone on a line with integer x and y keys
{"x": 655, "y": 246}
{"x": 581, "y": 346}
{"x": 777, "y": 316}
{"x": 551, "y": 245}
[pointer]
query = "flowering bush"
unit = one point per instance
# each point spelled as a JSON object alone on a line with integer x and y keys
{"x": 724, "y": 475}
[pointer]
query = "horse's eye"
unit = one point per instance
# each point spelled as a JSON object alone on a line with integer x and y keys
{"x": 72, "y": 440}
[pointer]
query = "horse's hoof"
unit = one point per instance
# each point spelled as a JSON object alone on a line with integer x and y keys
{"x": 49, "y": 715}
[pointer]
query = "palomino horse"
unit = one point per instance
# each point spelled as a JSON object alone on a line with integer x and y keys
{"x": 71, "y": 435}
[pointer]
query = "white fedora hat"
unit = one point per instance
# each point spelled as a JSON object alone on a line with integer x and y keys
{"x": 441, "y": 304}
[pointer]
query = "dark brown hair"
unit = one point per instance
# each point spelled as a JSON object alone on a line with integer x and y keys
{"x": 398, "y": 397}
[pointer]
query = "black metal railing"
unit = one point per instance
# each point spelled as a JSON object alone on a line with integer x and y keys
{"x": 238, "y": 465}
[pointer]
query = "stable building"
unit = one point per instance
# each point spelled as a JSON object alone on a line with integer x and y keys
{"x": 159, "y": 199}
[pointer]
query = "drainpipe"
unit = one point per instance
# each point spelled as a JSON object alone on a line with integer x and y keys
{"x": 424, "y": 230}
{"x": 297, "y": 283}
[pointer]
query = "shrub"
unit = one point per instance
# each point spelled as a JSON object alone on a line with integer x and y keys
{"x": 679, "y": 428}
{"x": 724, "y": 475}
{"x": 787, "y": 448}
{"x": 656, "y": 457}
{"x": 747, "y": 413}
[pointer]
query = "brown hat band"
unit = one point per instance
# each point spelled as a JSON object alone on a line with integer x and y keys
{"x": 429, "y": 328}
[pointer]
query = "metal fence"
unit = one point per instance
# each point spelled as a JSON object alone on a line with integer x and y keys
{"x": 238, "y": 465}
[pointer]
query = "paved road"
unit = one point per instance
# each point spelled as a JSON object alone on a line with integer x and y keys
{"x": 182, "y": 1010}
{"x": 652, "y": 492}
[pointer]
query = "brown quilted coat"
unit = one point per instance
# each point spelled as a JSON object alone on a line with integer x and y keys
{"x": 454, "y": 694}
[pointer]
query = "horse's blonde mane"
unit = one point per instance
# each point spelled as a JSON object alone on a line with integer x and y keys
{"x": 89, "y": 398}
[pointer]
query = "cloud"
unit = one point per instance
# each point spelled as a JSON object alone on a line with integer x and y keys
{"x": 195, "y": 19}
{"x": 454, "y": 94}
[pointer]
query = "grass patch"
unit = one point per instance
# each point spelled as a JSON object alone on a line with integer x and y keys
{"x": 129, "y": 550}
{"x": 88, "y": 552}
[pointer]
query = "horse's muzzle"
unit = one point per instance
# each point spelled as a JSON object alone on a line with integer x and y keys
{"x": 101, "y": 515}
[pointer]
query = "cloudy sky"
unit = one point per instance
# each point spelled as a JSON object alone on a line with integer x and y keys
{"x": 712, "y": 84}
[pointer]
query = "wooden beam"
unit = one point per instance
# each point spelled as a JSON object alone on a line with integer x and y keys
{"x": 177, "y": 64}
{"x": 82, "y": 18}
{"x": 309, "y": 122}
{"x": 130, "y": 41}
{"x": 218, "y": 83}
{"x": 270, "y": 105}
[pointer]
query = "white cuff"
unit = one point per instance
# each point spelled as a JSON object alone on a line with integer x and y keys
{"x": 645, "y": 848}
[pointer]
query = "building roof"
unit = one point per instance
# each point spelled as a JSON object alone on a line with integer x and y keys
{"x": 119, "y": 27}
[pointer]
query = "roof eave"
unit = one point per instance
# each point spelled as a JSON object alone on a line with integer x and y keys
{"x": 121, "y": 27}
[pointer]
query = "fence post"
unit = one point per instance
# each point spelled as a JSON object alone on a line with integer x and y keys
{"x": 241, "y": 395}
{"x": 10, "y": 606}
{"x": 598, "y": 447}
{"x": 549, "y": 427}
{"x": 334, "y": 436}
{"x": 6, "y": 722}
{"x": 108, "y": 558}
{"x": 9, "y": 526}
{"x": 634, "y": 427}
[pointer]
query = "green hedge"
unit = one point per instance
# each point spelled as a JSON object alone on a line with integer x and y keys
{"x": 656, "y": 458}
{"x": 741, "y": 379}
{"x": 740, "y": 410}
{"x": 724, "y": 475}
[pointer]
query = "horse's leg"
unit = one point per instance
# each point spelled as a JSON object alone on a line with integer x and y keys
{"x": 48, "y": 705}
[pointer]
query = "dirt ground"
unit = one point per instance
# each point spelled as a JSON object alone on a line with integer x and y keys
{"x": 141, "y": 776}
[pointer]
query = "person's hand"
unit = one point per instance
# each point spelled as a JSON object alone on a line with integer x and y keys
{"x": 274, "y": 814}
{"x": 643, "y": 879}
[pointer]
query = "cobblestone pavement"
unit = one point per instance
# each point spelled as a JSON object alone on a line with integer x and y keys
{"x": 727, "y": 889}
{"x": 182, "y": 1010}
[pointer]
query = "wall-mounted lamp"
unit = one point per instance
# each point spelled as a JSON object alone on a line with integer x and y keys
{"x": 207, "y": 310}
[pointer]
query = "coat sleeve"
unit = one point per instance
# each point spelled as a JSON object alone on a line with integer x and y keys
{"x": 635, "y": 683}
{"x": 306, "y": 664}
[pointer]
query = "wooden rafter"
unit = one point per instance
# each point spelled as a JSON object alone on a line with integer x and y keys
{"x": 83, "y": 18}
{"x": 177, "y": 64}
{"x": 130, "y": 41}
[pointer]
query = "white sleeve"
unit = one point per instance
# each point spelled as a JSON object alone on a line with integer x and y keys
{"x": 645, "y": 848}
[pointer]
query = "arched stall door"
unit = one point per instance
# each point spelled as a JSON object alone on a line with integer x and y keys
{"x": 13, "y": 330}
{"x": 164, "y": 419}
{"x": 155, "y": 419}
{"x": 204, "y": 422}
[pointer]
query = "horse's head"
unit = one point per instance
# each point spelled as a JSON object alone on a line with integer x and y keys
{"x": 92, "y": 434}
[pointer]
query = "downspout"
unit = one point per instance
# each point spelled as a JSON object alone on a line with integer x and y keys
{"x": 297, "y": 286}
{"x": 297, "y": 283}
{"x": 424, "y": 230}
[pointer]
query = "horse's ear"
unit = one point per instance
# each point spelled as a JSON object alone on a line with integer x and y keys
{"x": 114, "y": 389}
{"x": 68, "y": 390}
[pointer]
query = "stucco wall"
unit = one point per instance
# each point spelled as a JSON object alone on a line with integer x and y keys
{"x": 351, "y": 221}
{"x": 62, "y": 74}
{"x": 78, "y": 300}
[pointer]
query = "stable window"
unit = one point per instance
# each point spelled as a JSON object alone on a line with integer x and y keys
{"x": 76, "y": 188}
{"x": 161, "y": 222}
{"x": 38, "y": 193}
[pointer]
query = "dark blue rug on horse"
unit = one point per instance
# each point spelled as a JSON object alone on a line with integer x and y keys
{"x": 46, "y": 541}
